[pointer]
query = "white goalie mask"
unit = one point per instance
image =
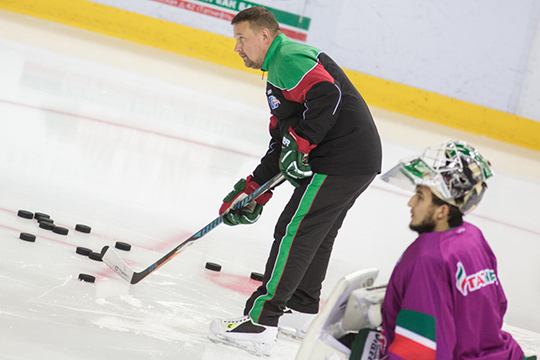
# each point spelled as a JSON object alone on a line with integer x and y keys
{"x": 454, "y": 171}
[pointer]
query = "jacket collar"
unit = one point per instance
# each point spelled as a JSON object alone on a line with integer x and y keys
{"x": 272, "y": 50}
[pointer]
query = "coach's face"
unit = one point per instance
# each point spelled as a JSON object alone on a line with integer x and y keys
{"x": 251, "y": 45}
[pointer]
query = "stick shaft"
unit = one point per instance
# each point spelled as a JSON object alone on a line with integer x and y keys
{"x": 115, "y": 262}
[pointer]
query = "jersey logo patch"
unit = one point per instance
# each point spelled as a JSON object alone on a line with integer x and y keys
{"x": 274, "y": 102}
{"x": 469, "y": 283}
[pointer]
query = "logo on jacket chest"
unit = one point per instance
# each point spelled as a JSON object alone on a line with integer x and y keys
{"x": 273, "y": 102}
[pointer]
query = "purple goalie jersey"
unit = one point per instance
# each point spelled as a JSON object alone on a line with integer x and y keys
{"x": 444, "y": 300}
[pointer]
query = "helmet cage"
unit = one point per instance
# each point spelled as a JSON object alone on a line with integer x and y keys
{"x": 454, "y": 171}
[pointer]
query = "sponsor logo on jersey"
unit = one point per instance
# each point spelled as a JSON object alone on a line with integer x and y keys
{"x": 274, "y": 102}
{"x": 469, "y": 283}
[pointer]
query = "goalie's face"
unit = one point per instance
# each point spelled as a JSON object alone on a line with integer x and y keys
{"x": 251, "y": 45}
{"x": 425, "y": 215}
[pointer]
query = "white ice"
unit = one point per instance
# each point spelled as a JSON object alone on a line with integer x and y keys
{"x": 142, "y": 145}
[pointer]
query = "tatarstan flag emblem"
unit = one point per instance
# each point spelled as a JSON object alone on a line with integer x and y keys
{"x": 415, "y": 336}
{"x": 469, "y": 283}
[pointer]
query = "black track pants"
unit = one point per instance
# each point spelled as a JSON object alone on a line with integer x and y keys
{"x": 303, "y": 240}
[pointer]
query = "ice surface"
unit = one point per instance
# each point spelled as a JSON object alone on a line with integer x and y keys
{"x": 145, "y": 158}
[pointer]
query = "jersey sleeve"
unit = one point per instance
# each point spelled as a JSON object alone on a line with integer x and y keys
{"x": 321, "y": 96}
{"x": 417, "y": 306}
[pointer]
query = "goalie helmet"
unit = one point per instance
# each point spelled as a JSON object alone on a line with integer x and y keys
{"x": 454, "y": 171}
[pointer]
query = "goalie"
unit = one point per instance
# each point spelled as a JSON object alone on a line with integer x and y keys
{"x": 444, "y": 299}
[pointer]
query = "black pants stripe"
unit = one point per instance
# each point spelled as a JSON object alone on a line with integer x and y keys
{"x": 303, "y": 241}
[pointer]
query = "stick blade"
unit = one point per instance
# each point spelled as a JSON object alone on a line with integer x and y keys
{"x": 116, "y": 264}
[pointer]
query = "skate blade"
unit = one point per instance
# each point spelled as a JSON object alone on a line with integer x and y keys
{"x": 294, "y": 334}
{"x": 250, "y": 349}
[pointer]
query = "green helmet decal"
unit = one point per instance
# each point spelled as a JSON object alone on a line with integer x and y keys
{"x": 454, "y": 171}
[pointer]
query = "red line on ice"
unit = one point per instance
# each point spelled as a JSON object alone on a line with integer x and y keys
{"x": 127, "y": 127}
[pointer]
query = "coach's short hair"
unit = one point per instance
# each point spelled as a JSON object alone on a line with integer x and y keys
{"x": 259, "y": 18}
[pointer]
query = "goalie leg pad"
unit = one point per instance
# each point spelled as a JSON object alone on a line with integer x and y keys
{"x": 295, "y": 324}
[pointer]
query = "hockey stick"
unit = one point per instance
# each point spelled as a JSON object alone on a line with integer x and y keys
{"x": 119, "y": 266}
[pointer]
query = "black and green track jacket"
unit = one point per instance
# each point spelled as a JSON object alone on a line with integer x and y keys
{"x": 309, "y": 92}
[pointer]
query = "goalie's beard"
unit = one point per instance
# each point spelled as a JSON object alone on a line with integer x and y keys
{"x": 426, "y": 226}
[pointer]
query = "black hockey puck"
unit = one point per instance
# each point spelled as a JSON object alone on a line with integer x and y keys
{"x": 39, "y": 214}
{"x": 27, "y": 237}
{"x": 213, "y": 266}
{"x": 46, "y": 225}
{"x": 95, "y": 256}
{"x": 83, "y": 228}
{"x": 25, "y": 214}
{"x": 59, "y": 230}
{"x": 122, "y": 246}
{"x": 87, "y": 278}
{"x": 83, "y": 251}
{"x": 256, "y": 276}
{"x": 42, "y": 219}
